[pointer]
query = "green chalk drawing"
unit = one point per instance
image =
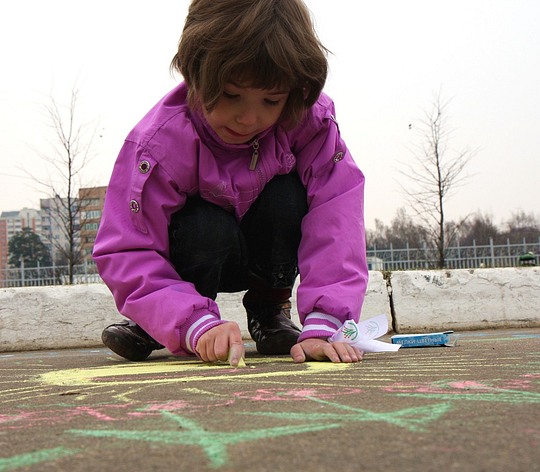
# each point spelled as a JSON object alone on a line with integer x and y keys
{"x": 213, "y": 443}
{"x": 36, "y": 457}
{"x": 414, "y": 419}
{"x": 503, "y": 397}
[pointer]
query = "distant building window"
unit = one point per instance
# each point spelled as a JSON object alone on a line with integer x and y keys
{"x": 87, "y": 202}
{"x": 91, "y": 215}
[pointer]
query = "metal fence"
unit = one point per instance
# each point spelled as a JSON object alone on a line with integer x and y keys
{"x": 54, "y": 275}
{"x": 459, "y": 257}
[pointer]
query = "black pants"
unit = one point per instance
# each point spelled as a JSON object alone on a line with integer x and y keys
{"x": 212, "y": 250}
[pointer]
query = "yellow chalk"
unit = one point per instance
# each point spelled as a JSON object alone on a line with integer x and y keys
{"x": 238, "y": 350}
{"x": 241, "y": 361}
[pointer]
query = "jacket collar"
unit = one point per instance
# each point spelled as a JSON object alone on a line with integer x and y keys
{"x": 208, "y": 134}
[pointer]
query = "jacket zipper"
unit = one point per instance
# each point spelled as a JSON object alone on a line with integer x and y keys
{"x": 255, "y": 155}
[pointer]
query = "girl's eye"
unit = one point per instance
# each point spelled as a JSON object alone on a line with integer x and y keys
{"x": 230, "y": 96}
{"x": 272, "y": 103}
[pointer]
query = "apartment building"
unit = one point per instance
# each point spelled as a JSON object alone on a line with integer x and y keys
{"x": 12, "y": 222}
{"x": 91, "y": 200}
{"x": 50, "y": 223}
{"x": 25, "y": 218}
{"x": 53, "y": 227}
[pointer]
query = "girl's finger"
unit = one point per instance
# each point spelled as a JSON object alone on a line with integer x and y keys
{"x": 236, "y": 354}
{"x": 331, "y": 353}
{"x": 201, "y": 351}
{"x": 298, "y": 354}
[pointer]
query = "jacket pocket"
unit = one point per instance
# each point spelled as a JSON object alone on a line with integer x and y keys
{"x": 143, "y": 170}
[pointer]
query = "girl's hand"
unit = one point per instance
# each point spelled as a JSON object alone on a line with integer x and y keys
{"x": 321, "y": 350}
{"x": 222, "y": 343}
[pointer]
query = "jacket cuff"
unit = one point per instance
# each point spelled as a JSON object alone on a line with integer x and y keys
{"x": 319, "y": 325}
{"x": 195, "y": 326}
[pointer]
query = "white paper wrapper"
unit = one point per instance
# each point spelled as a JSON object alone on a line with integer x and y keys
{"x": 363, "y": 335}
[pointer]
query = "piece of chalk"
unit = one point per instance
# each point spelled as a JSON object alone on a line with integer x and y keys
{"x": 241, "y": 362}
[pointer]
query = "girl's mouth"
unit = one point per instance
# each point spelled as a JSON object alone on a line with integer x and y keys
{"x": 238, "y": 135}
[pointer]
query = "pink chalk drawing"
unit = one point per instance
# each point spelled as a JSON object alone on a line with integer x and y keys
{"x": 277, "y": 394}
{"x": 173, "y": 405}
{"x": 468, "y": 385}
{"x": 155, "y": 408}
{"x": 502, "y": 390}
{"x": 60, "y": 415}
{"x": 63, "y": 414}
{"x": 525, "y": 382}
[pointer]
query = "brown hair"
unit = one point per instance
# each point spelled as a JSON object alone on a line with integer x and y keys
{"x": 265, "y": 43}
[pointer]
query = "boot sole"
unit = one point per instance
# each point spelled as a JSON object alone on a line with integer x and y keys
{"x": 124, "y": 348}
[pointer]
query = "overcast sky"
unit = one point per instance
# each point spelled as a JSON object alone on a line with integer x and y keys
{"x": 389, "y": 59}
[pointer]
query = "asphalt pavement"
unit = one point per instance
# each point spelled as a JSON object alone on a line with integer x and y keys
{"x": 472, "y": 407}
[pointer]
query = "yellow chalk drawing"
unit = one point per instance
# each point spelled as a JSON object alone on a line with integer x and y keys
{"x": 173, "y": 372}
{"x": 133, "y": 378}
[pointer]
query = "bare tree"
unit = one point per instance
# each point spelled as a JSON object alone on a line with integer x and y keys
{"x": 522, "y": 226}
{"x": 70, "y": 152}
{"x": 434, "y": 173}
{"x": 479, "y": 229}
{"x": 401, "y": 233}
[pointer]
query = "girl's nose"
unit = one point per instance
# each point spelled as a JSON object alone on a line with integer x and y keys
{"x": 246, "y": 116}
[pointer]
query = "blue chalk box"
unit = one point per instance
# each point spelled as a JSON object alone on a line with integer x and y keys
{"x": 446, "y": 338}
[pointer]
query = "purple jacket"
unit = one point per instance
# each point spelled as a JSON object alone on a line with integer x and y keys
{"x": 173, "y": 153}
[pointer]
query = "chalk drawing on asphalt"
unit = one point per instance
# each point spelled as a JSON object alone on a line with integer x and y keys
{"x": 178, "y": 372}
{"x": 506, "y": 392}
{"x": 133, "y": 378}
{"x": 414, "y": 419}
{"x": 35, "y": 457}
{"x": 294, "y": 394}
{"x": 215, "y": 443}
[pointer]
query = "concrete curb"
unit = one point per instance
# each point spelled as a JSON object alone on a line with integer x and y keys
{"x": 465, "y": 299}
{"x": 418, "y": 301}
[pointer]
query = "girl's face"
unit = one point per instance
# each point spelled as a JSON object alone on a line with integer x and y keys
{"x": 243, "y": 112}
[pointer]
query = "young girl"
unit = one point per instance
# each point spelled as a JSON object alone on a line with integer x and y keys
{"x": 236, "y": 180}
